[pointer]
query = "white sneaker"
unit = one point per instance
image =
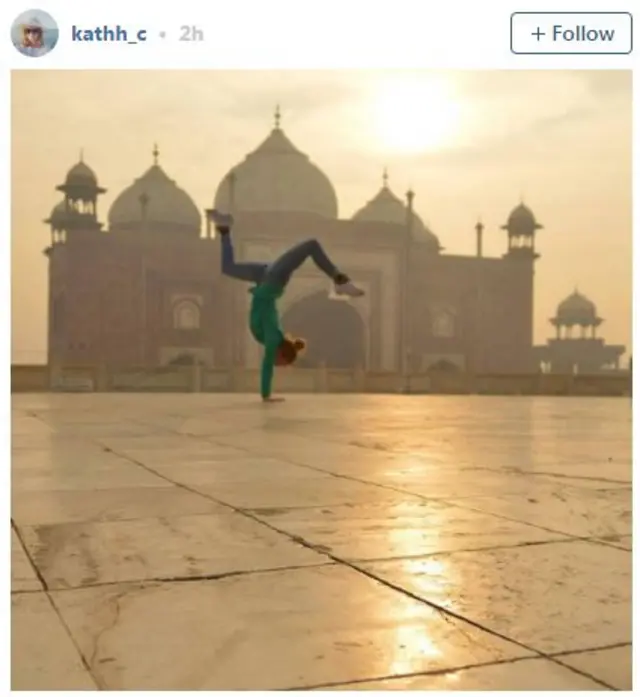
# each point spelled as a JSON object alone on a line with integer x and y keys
{"x": 221, "y": 219}
{"x": 348, "y": 289}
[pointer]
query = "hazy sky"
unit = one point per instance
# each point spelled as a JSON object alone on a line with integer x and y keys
{"x": 469, "y": 143}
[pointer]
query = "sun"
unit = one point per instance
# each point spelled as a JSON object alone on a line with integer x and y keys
{"x": 414, "y": 114}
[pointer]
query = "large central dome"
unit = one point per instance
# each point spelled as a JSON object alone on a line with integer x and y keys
{"x": 277, "y": 177}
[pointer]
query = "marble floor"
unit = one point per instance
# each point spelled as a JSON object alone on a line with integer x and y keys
{"x": 336, "y": 542}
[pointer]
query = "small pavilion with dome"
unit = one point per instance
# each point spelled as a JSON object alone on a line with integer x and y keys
{"x": 146, "y": 289}
{"x": 576, "y": 347}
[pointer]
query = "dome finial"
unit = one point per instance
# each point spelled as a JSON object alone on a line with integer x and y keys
{"x": 385, "y": 178}
{"x": 277, "y": 116}
{"x": 82, "y": 155}
{"x": 411, "y": 194}
{"x": 155, "y": 153}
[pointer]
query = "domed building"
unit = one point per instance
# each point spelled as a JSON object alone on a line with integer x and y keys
{"x": 155, "y": 201}
{"x": 277, "y": 178}
{"x": 576, "y": 347}
{"x": 146, "y": 289}
{"x": 576, "y": 310}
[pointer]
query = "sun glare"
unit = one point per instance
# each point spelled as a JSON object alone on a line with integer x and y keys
{"x": 415, "y": 114}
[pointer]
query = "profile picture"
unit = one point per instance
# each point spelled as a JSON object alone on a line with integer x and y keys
{"x": 34, "y": 33}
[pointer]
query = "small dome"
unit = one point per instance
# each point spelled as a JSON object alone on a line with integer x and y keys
{"x": 386, "y": 207}
{"x": 59, "y": 216}
{"x": 277, "y": 177}
{"x": 521, "y": 222}
{"x": 59, "y": 211}
{"x": 577, "y": 309}
{"x": 157, "y": 200}
{"x": 81, "y": 175}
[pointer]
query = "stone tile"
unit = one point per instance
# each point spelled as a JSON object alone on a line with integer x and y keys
{"x": 116, "y": 476}
{"x": 433, "y": 469}
{"x": 611, "y": 666}
{"x": 285, "y": 492}
{"x": 116, "y": 429}
{"x": 23, "y": 442}
{"x": 622, "y": 541}
{"x": 159, "y": 443}
{"x": 531, "y": 675}
{"x": 405, "y": 528}
{"x": 317, "y": 452}
{"x": 579, "y": 472}
{"x": 23, "y": 425}
{"x": 266, "y": 631}
{"x": 242, "y": 471}
{"x": 447, "y": 482}
{"x": 565, "y": 596}
{"x": 51, "y": 507}
{"x": 79, "y": 554}
{"x": 456, "y": 448}
{"x": 198, "y": 455}
{"x": 584, "y": 513}
{"x": 23, "y": 577}
{"x": 621, "y": 482}
{"x": 247, "y": 481}
{"x": 43, "y": 657}
{"x": 437, "y": 464}
{"x": 64, "y": 461}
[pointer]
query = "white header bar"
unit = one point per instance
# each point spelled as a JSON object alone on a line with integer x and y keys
{"x": 294, "y": 34}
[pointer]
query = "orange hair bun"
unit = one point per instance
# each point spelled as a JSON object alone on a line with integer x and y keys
{"x": 299, "y": 344}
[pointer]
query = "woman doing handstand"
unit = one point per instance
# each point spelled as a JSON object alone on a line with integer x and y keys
{"x": 270, "y": 281}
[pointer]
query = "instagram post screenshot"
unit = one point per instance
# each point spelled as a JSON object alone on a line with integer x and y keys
{"x": 319, "y": 326}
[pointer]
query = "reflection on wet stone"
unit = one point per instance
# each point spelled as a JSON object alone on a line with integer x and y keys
{"x": 336, "y": 542}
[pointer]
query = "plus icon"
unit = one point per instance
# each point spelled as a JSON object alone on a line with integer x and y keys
{"x": 537, "y": 33}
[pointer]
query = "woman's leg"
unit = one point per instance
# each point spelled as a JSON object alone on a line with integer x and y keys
{"x": 280, "y": 272}
{"x": 251, "y": 271}
{"x": 244, "y": 271}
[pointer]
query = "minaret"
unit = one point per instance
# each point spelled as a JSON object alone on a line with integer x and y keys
{"x": 410, "y": 197}
{"x": 521, "y": 228}
{"x": 479, "y": 231}
{"x": 233, "y": 178}
{"x": 143, "y": 199}
{"x": 57, "y": 223}
{"x": 405, "y": 343}
{"x": 81, "y": 193}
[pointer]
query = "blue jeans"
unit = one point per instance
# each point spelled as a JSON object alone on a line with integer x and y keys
{"x": 279, "y": 273}
{"x": 251, "y": 271}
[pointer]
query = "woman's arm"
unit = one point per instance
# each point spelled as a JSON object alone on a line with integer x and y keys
{"x": 273, "y": 337}
{"x": 266, "y": 374}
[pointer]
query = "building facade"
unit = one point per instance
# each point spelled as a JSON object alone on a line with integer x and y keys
{"x": 146, "y": 289}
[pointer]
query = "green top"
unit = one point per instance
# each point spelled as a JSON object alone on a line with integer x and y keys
{"x": 265, "y": 328}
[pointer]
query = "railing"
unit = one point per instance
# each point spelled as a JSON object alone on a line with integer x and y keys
{"x": 78, "y": 378}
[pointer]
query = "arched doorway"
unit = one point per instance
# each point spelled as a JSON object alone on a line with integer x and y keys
{"x": 333, "y": 329}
